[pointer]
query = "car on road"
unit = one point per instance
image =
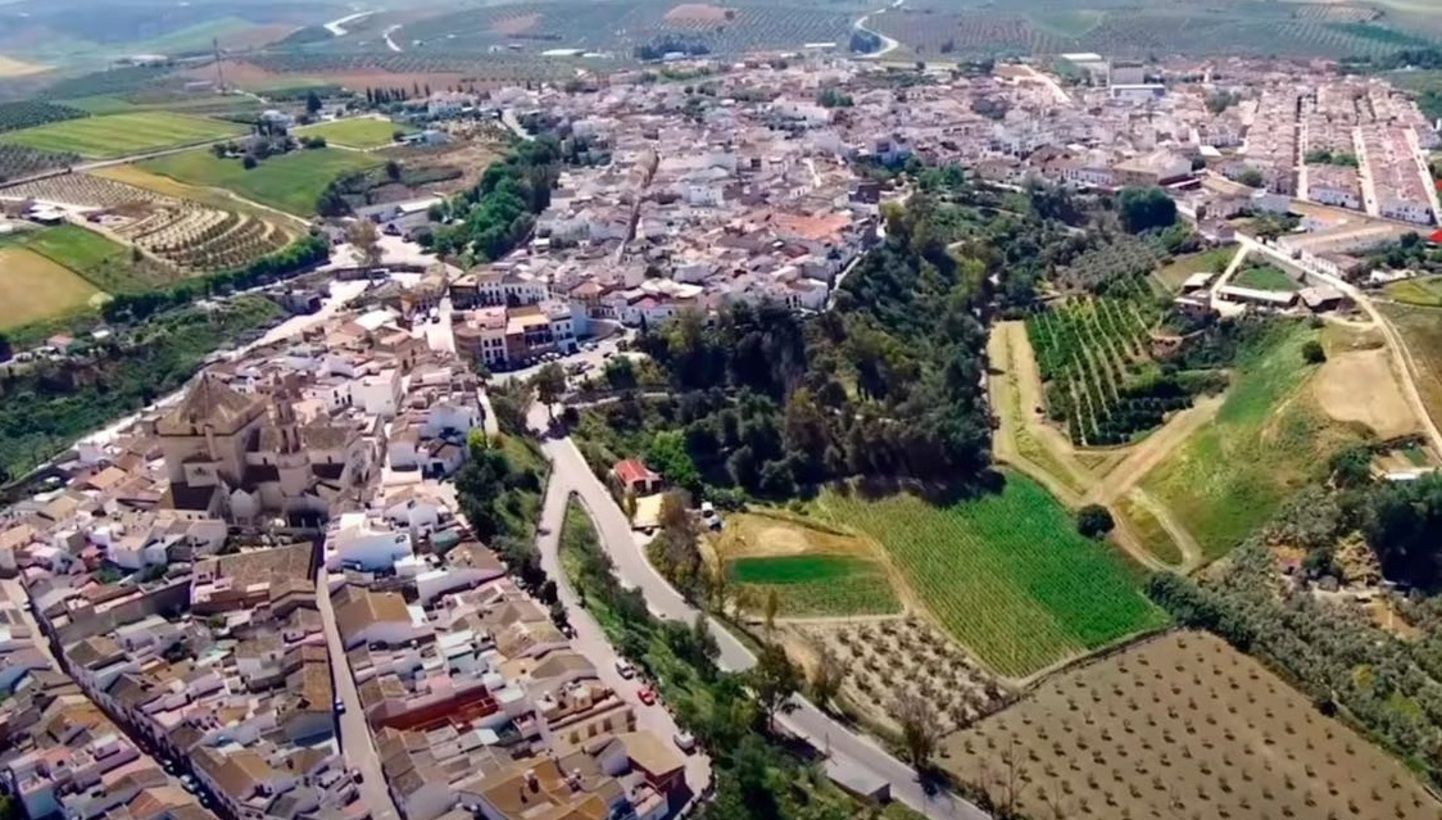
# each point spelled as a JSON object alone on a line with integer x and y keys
{"x": 685, "y": 741}
{"x": 647, "y": 695}
{"x": 339, "y": 706}
{"x": 187, "y": 782}
{"x": 357, "y": 776}
{"x": 625, "y": 669}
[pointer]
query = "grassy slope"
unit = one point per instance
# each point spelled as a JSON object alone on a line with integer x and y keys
{"x": 290, "y": 183}
{"x": 104, "y": 262}
{"x": 34, "y": 288}
{"x": 1267, "y": 440}
{"x": 1173, "y": 275}
{"x": 817, "y": 585}
{"x": 1426, "y": 292}
{"x": 121, "y": 134}
{"x": 1007, "y": 574}
{"x": 1421, "y": 331}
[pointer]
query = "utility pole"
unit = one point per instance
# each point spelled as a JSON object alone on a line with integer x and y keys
{"x": 219, "y": 71}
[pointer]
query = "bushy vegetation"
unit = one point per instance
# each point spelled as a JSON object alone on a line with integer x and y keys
{"x": 28, "y": 113}
{"x": 44, "y": 408}
{"x": 294, "y": 258}
{"x": 499, "y": 212}
{"x": 1333, "y": 651}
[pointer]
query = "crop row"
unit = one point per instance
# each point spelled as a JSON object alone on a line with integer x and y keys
{"x": 195, "y": 239}
{"x": 1099, "y": 377}
{"x": 20, "y": 161}
{"x": 30, "y": 113}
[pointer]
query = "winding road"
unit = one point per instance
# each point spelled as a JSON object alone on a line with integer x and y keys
{"x": 571, "y": 474}
{"x": 888, "y": 44}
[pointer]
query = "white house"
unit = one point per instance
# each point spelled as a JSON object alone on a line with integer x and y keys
{"x": 356, "y": 540}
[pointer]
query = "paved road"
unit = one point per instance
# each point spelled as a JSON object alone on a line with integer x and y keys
{"x": 591, "y": 641}
{"x": 570, "y": 473}
{"x": 355, "y": 735}
{"x": 888, "y": 44}
{"x": 1394, "y": 341}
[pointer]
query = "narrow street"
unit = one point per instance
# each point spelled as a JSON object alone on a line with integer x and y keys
{"x": 355, "y": 736}
{"x": 570, "y": 473}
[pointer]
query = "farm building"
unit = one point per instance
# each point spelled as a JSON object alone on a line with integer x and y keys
{"x": 1323, "y": 297}
{"x": 1197, "y": 281}
{"x": 1261, "y": 298}
{"x": 634, "y": 477}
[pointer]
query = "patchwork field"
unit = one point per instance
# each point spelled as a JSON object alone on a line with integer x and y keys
{"x": 1267, "y": 440}
{"x": 1006, "y": 574}
{"x": 358, "y": 132}
{"x": 123, "y": 134}
{"x": 34, "y": 288}
{"x": 291, "y": 183}
{"x": 1179, "y": 726}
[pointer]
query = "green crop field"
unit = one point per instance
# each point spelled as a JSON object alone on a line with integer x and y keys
{"x": 359, "y": 132}
{"x": 1006, "y": 574}
{"x": 118, "y": 135}
{"x": 1265, "y": 277}
{"x": 106, "y": 264}
{"x": 292, "y": 182}
{"x": 34, "y": 288}
{"x": 1268, "y": 439}
{"x": 1426, "y": 292}
{"x": 817, "y": 585}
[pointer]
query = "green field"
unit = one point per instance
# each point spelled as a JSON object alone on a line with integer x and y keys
{"x": 34, "y": 288}
{"x": 291, "y": 183}
{"x": 119, "y": 135}
{"x": 1426, "y": 291}
{"x": 358, "y": 132}
{"x": 1268, "y": 439}
{"x": 1149, "y": 531}
{"x": 1265, "y": 277}
{"x": 106, "y": 264}
{"x": 817, "y": 585}
{"x": 1006, "y": 574}
{"x": 1171, "y": 276}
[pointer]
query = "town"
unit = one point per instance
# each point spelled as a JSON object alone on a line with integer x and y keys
{"x": 325, "y": 577}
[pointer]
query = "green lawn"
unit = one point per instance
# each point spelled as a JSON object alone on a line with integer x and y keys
{"x": 1426, "y": 291}
{"x": 358, "y": 132}
{"x": 119, "y": 135}
{"x": 1268, "y": 440}
{"x": 816, "y": 585}
{"x": 292, "y": 182}
{"x": 1171, "y": 276}
{"x": 1265, "y": 277}
{"x": 1006, "y": 573}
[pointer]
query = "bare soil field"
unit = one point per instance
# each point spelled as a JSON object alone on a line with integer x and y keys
{"x": 520, "y": 24}
{"x": 1360, "y": 386}
{"x": 696, "y": 14}
{"x": 1181, "y": 726}
{"x": 11, "y": 67}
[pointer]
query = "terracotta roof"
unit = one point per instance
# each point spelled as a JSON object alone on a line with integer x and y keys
{"x": 357, "y": 608}
{"x": 631, "y": 470}
{"x": 214, "y": 403}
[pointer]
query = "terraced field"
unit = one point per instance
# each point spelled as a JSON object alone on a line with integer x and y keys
{"x": 120, "y": 135}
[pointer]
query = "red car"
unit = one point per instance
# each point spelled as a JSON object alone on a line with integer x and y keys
{"x": 647, "y": 695}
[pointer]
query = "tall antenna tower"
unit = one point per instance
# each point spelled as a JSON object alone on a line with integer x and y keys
{"x": 219, "y": 71}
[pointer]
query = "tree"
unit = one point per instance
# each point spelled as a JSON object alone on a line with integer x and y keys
{"x": 773, "y": 605}
{"x": 1403, "y": 525}
{"x": 1313, "y": 353}
{"x": 1143, "y": 209}
{"x": 363, "y": 237}
{"x": 312, "y": 102}
{"x": 5, "y": 348}
{"x": 1094, "y": 521}
{"x": 1252, "y": 178}
{"x": 919, "y": 733}
{"x": 550, "y": 384}
{"x": 826, "y": 678}
{"x": 774, "y": 679}
{"x": 249, "y": 161}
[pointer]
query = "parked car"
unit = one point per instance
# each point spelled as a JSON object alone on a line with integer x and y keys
{"x": 625, "y": 669}
{"x": 187, "y": 782}
{"x": 339, "y": 706}
{"x": 647, "y": 695}
{"x": 685, "y": 742}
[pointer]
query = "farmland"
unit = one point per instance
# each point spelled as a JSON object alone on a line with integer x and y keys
{"x": 1426, "y": 292}
{"x": 30, "y": 113}
{"x": 121, "y": 134}
{"x": 1100, "y": 381}
{"x": 1265, "y": 277}
{"x": 1114, "y": 260}
{"x": 1179, "y": 726}
{"x": 291, "y": 182}
{"x": 357, "y": 132}
{"x": 34, "y": 288}
{"x": 809, "y": 585}
{"x": 1268, "y": 439}
{"x": 18, "y": 161}
{"x": 1006, "y": 574}
{"x": 1421, "y": 331}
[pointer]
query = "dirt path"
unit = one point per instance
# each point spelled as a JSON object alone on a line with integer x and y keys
{"x": 1191, "y": 550}
{"x": 1154, "y": 449}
